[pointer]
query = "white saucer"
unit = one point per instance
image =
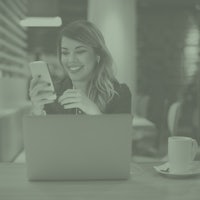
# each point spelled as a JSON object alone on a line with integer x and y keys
{"x": 164, "y": 169}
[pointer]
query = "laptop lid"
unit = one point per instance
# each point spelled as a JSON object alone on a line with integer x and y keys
{"x": 78, "y": 147}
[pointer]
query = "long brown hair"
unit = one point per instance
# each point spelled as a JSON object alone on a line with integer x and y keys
{"x": 100, "y": 88}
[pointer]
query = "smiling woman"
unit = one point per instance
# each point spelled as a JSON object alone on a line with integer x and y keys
{"x": 78, "y": 60}
{"x": 89, "y": 85}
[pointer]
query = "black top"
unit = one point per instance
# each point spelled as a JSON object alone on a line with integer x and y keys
{"x": 120, "y": 103}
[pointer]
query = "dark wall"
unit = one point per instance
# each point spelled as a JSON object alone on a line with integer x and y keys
{"x": 162, "y": 30}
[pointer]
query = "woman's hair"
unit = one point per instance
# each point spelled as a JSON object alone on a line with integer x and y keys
{"x": 100, "y": 88}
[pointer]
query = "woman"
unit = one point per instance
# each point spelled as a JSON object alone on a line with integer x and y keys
{"x": 89, "y": 85}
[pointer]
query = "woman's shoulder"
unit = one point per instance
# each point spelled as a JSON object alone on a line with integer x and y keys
{"x": 121, "y": 88}
{"x": 121, "y": 101}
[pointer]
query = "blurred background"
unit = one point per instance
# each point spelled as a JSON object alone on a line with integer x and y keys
{"x": 155, "y": 46}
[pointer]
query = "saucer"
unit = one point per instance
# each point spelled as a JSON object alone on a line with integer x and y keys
{"x": 192, "y": 171}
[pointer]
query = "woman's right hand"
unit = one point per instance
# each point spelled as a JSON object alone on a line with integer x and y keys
{"x": 40, "y": 94}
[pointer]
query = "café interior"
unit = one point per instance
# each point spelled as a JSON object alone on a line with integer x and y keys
{"x": 155, "y": 46}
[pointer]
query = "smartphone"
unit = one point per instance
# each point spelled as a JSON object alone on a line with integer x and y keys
{"x": 40, "y": 68}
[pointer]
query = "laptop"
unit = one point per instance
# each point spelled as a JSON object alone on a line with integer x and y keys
{"x": 78, "y": 147}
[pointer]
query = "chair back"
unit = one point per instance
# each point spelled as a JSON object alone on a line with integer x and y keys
{"x": 173, "y": 117}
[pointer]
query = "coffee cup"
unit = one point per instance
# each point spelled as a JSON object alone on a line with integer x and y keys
{"x": 181, "y": 153}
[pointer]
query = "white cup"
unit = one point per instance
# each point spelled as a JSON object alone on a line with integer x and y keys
{"x": 181, "y": 153}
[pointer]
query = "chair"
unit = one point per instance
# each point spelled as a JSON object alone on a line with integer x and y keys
{"x": 143, "y": 137}
{"x": 141, "y": 107}
{"x": 173, "y": 117}
{"x": 172, "y": 121}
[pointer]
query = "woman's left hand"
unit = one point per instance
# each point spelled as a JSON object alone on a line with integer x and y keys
{"x": 74, "y": 98}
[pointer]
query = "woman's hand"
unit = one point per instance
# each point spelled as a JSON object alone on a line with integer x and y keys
{"x": 40, "y": 94}
{"x": 73, "y": 98}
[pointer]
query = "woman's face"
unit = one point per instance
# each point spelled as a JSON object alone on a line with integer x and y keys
{"x": 78, "y": 59}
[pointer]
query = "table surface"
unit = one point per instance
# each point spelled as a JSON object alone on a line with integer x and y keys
{"x": 144, "y": 183}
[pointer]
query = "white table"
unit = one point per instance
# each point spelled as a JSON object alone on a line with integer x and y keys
{"x": 144, "y": 184}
